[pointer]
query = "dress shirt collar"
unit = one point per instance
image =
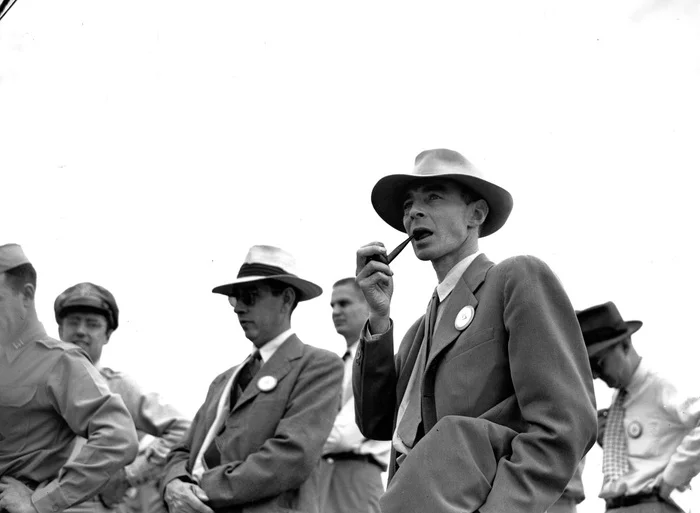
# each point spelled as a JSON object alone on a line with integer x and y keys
{"x": 450, "y": 282}
{"x": 639, "y": 377}
{"x": 273, "y": 345}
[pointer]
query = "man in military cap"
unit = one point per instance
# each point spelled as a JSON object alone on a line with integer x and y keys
{"x": 49, "y": 394}
{"x": 651, "y": 438}
{"x": 87, "y": 315}
{"x": 489, "y": 402}
{"x": 257, "y": 439}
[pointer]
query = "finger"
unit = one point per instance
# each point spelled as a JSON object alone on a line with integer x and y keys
{"x": 197, "y": 505}
{"x": 371, "y": 267}
{"x": 200, "y": 494}
{"x": 365, "y": 253}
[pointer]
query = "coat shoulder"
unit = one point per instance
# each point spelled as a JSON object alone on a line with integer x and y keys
{"x": 524, "y": 265}
{"x": 322, "y": 355}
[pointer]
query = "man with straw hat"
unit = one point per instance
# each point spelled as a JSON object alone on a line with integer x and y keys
{"x": 49, "y": 394}
{"x": 489, "y": 402}
{"x": 651, "y": 433}
{"x": 257, "y": 439}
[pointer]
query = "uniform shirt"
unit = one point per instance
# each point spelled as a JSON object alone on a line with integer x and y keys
{"x": 345, "y": 435}
{"x": 49, "y": 393}
{"x": 151, "y": 416}
{"x": 663, "y": 435}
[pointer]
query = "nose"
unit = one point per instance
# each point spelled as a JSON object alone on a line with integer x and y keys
{"x": 239, "y": 307}
{"x": 336, "y": 310}
{"x": 80, "y": 329}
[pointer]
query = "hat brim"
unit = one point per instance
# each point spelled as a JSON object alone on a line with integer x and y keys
{"x": 389, "y": 193}
{"x": 598, "y": 347}
{"x": 306, "y": 289}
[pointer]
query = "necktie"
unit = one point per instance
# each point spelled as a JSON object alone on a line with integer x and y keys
{"x": 212, "y": 456}
{"x": 247, "y": 373}
{"x": 409, "y": 422}
{"x": 615, "y": 462}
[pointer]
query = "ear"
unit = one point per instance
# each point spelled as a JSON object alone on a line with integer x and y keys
{"x": 28, "y": 292}
{"x": 108, "y": 334}
{"x": 479, "y": 211}
{"x": 288, "y": 297}
{"x": 60, "y": 330}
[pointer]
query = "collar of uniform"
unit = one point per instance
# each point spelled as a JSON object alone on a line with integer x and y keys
{"x": 32, "y": 332}
{"x": 273, "y": 345}
{"x": 450, "y": 282}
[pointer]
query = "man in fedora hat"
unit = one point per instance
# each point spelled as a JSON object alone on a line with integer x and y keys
{"x": 49, "y": 394}
{"x": 258, "y": 437}
{"x": 87, "y": 316}
{"x": 489, "y": 401}
{"x": 651, "y": 438}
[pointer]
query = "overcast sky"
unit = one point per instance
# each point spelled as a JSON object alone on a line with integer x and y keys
{"x": 145, "y": 146}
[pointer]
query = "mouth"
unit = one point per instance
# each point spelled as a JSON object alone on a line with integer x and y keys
{"x": 420, "y": 234}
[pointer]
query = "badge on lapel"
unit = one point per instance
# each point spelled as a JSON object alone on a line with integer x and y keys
{"x": 464, "y": 318}
{"x": 634, "y": 429}
{"x": 267, "y": 383}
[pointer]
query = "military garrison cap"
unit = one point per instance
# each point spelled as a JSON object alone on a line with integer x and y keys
{"x": 90, "y": 297}
{"x": 11, "y": 256}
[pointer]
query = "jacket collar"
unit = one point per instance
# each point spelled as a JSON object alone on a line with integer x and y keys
{"x": 277, "y": 367}
{"x": 32, "y": 331}
{"x": 463, "y": 295}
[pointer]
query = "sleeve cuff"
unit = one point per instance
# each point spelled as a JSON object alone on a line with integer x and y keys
{"x": 369, "y": 337}
{"x": 49, "y": 499}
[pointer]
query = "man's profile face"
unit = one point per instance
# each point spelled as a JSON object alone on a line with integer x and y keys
{"x": 612, "y": 366}
{"x": 12, "y": 310}
{"x": 437, "y": 215}
{"x": 350, "y": 310}
{"x": 260, "y": 313}
{"x": 87, "y": 330}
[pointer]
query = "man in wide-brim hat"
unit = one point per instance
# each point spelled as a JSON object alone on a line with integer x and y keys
{"x": 489, "y": 403}
{"x": 257, "y": 439}
{"x": 651, "y": 433}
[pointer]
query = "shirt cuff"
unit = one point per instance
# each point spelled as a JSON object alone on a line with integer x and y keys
{"x": 49, "y": 499}
{"x": 369, "y": 337}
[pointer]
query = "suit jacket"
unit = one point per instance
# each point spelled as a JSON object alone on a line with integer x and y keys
{"x": 508, "y": 409}
{"x": 271, "y": 441}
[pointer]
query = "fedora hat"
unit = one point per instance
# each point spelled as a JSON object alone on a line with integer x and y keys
{"x": 602, "y": 326}
{"x": 270, "y": 263}
{"x": 388, "y": 193}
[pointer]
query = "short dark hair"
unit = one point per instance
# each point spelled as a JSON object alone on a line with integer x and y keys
{"x": 19, "y": 276}
{"x": 352, "y": 283}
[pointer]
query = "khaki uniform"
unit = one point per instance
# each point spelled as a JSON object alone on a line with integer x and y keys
{"x": 49, "y": 393}
{"x": 151, "y": 417}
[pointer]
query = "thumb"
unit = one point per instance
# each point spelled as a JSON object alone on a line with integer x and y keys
{"x": 200, "y": 494}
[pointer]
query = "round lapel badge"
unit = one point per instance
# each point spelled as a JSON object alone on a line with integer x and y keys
{"x": 267, "y": 383}
{"x": 464, "y": 317}
{"x": 634, "y": 429}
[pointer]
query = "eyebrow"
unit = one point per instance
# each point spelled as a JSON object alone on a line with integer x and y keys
{"x": 430, "y": 187}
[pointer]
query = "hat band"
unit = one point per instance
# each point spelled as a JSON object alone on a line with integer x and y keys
{"x": 602, "y": 334}
{"x": 260, "y": 270}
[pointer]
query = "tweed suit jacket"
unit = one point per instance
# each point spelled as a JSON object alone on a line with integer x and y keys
{"x": 508, "y": 408}
{"x": 272, "y": 441}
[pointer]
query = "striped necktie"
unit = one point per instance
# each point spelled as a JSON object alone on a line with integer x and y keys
{"x": 615, "y": 461}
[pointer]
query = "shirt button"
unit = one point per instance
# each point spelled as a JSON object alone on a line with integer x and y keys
{"x": 330, "y": 460}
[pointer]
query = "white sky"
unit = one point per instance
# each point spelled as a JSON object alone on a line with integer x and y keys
{"x": 145, "y": 146}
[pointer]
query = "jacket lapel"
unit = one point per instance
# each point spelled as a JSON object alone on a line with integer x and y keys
{"x": 463, "y": 295}
{"x": 277, "y": 367}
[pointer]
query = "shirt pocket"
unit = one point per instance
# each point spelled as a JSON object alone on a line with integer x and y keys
{"x": 15, "y": 410}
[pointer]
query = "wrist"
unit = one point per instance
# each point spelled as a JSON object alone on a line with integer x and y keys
{"x": 379, "y": 324}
